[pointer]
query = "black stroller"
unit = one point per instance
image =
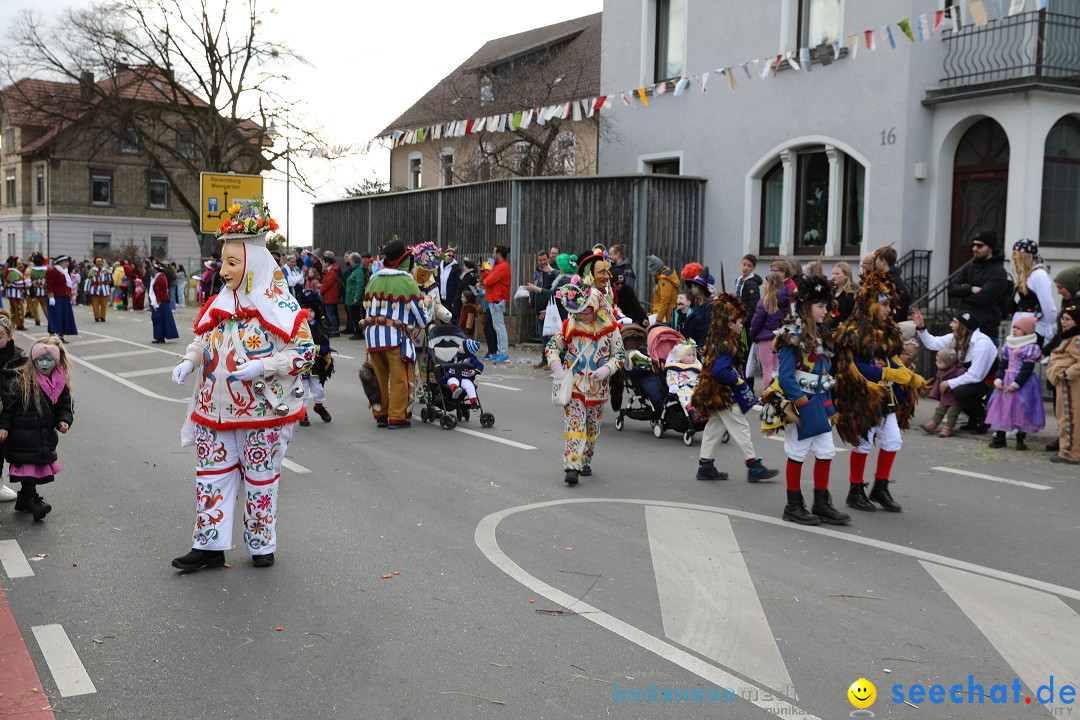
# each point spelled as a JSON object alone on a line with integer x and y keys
{"x": 443, "y": 343}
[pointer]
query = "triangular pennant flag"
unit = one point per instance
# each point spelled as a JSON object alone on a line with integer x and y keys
{"x": 939, "y": 15}
{"x": 978, "y": 12}
{"x": 732, "y": 83}
{"x": 766, "y": 67}
{"x": 541, "y": 116}
{"x": 421, "y": 134}
{"x": 1016, "y": 7}
{"x": 516, "y": 122}
{"x": 502, "y": 123}
{"x": 438, "y": 132}
{"x": 601, "y": 102}
{"x": 526, "y": 119}
{"x": 871, "y": 40}
{"x": 746, "y": 69}
{"x": 479, "y": 125}
{"x": 836, "y": 45}
{"x": 577, "y": 112}
{"x": 626, "y": 101}
{"x": 804, "y": 58}
{"x": 922, "y": 28}
{"x": 469, "y": 126}
{"x": 566, "y": 109}
{"x": 905, "y": 26}
{"x": 793, "y": 62}
{"x": 776, "y": 64}
{"x": 680, "y": 87}
{"x": 587, "y": 107}
{"x": 888, "y": 33}
{"x": 853, "y": 45}
{"x": 660, "y": 88}
{"x": 643, "y": 97}
{"x": 823, "y": 54}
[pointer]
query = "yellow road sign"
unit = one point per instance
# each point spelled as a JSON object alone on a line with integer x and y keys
{"x": 220, "y": 190}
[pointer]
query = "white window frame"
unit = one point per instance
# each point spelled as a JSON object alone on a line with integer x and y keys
{"x": 789, "y": 25}
{"x": 150, "y": 181}
{"x": 644, "y": 161}
{"x": 151, "y": 247}
{"x": 39, "y": 184}
{"x": 94, "y": 241}
{"x": 11, "y": 187}
{"x": 446, "y": 153}
{"x": 101, "y": 176}
{"x": 647, "y": 72}
{"x": 415, "y": 182}
{"x": 129, "y": 141}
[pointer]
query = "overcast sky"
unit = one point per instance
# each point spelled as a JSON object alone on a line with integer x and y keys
{"x": 369, "y": 62}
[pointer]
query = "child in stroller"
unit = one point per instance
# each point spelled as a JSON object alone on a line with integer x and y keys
{"x": 449, "y": 384}
{"x": 681, "y": 374}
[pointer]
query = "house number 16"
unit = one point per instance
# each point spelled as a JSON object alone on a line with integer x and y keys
{"x": 888, "y": 137}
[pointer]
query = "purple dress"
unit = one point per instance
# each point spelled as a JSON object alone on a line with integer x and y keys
{"x": 1021, "y": 410}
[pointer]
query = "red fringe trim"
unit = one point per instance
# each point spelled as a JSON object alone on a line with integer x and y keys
{"x": 217, "y": 316}
{"x": 402, "y": 298}
{"x": 592, "y": 336}
{"x": 247, "y": 424}
{"x": 588, "y": 403}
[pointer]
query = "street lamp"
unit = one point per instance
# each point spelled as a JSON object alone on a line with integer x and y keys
{"x": 273, "y": 132}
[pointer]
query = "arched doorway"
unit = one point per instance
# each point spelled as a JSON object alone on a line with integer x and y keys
{"x": 980, "y": 187}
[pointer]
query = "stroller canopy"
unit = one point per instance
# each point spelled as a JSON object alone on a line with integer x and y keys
{"x": 444, "y": 341}
{"x": 661, "y": 340}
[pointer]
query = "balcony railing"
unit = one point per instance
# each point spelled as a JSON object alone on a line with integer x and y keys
{"x": 1033, "y": 48}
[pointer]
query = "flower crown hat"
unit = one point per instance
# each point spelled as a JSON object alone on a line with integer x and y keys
{"x": 577, "y": 294}
{"x": 250, "y": 222}
{"x": 427, "y": 255}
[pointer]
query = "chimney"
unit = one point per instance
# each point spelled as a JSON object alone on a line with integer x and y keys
{"x": 86, "y": 85}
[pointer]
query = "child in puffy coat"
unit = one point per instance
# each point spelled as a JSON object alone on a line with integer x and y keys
{"x": 948, "y": 410}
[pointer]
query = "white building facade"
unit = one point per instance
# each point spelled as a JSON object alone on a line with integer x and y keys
{"x": 917, "y": 147}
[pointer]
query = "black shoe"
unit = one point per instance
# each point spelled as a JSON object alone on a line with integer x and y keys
{"x": 157, "y": 342}
{"x": 998, "y": 441}
{"x": 571, "y": 477}
{"x": 356, "y": 337}
{"x": 1020, "y": 444}
{"x": 979, "y": 428}
{"x": 708, "y": 472}
{"x": 586, "y": 471}
{"x": 756, "y": 471}
{"x": 40, "y": 508}
{"x": 399, "y": 426}
{"x": 323, "y": 413}
{"x": 824, "y": 509}
{"x": 381, "y": 422}
{"x": 795, "y": 510}
{"x": 1053, "y": 445}
{"x": 198, "y": 559}
{"x": 856, "y": 498}
{"x": 880, "y": 494}
{"x": 305, "y": 422}
{"x": 261, "y": 561}
{"x": 1059, "y": 459}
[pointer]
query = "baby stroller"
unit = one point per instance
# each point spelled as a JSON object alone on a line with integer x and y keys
{"x": 649, "y": 398}
{"x": 443, "y": 343}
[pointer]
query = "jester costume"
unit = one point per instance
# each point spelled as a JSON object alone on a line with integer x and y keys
{"x": 722, "y": 390}
{"x": 875, "y": 392}
{"x": 241, "y": 427}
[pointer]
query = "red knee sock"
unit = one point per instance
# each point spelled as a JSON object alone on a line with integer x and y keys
{"x": 794, "y": 474}
{"x": 884, "y": 464}
{"x": 821, "y": 474}
{"x": 858, "y": 467}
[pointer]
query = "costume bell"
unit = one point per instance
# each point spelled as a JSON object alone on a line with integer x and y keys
{"x": 875, "y": 392}
{"x": 253, "y": 345}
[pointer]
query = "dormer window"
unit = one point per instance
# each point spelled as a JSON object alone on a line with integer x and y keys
{"x": 129, "y": 144}
{"x": 9, "y": 139}
{"x": 487, "y": 90}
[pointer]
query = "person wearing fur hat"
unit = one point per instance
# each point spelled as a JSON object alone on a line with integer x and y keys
{"x": 589, "y": 346}
{"x": 252, "y": 346}
{"x": 977, "y": 353}
{"x": 665, "y": 290}
{"x": 392, "y": 301}
{"x": 722, "y": 390}
{"x": 875, "y": 391}
{"x": 1034, "y": 289}
{"x": 699, "y": 283}
{"x": 801, "y": 395}
{"x": 1063, "y": 371}
{"x": 58, "y": 287}
{"x": 981, "y": 284}
{"x": 1016, "y": 403}
{"x": 100, "y": 280}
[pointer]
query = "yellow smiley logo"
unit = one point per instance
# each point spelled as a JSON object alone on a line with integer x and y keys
{"x": 862, "y": 693}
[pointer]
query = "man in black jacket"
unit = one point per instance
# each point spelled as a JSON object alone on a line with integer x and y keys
{"x": 449, "y": 277}
{"x": 983, "y": 284}
{"x": 885, "y": 259}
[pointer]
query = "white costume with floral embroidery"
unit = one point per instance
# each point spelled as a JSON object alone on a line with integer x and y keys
{"x": 241, "y": 428}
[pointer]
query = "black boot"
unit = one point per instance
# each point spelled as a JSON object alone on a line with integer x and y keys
{"x": 756, "y": 471}
{"x": 39, "y": 508}
{"x": 824, "y": 509}
{"x": 586, "y": 471}
{"x": 998, "y": 441}
{"x": 880, "y": 494}
{"x": 322, "y": 412}
{"x": 571, "y": 477}
{"x": 706, "y": 471}
{"x": 1053, "y": 445}
{"x": 197, "y": 559}
{"x": 1020, "y": 444}
{"x": 795, "y": 510}
{"x": 856, "y": 498}
{"x": 25, "y": 498}
{"x": 262, "y": 561}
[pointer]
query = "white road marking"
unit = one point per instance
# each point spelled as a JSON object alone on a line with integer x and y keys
{"x": 123, "y": 381}
{"x": 80, "y": 343}
{"x": 511, "y": 443}
{"x": 13, "y": 560}
{"x": 1033, "y": 631}
{"x": 64, "y": 664}
{"x": 287, "y": 463}
{"x": 501, "y": 387}
{"x": 968, "y": 473}
{"x": 781, "y": 439}
{"x": 126, "y": 353}
{"x": 178, "y": 348}
{"x": 148, "y": 371}
{"x": 486, "y": 540}
{"x": 707, "y": 596}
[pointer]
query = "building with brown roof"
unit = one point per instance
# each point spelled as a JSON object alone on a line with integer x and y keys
{"x": 489, "y": 118}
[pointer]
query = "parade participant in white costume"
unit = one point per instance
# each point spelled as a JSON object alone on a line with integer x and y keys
{"x": 252, "y": 346}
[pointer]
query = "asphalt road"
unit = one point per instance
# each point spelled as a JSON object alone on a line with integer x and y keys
{"x": 660, "y": 579}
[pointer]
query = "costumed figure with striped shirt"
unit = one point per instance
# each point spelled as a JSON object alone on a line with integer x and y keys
{"x": 99, "y": 287}
{"x": 37, "y": 296}
{"x": 392, "y": 300}
{"x": 252, "y": 347}
{"x": 15, "y": 290}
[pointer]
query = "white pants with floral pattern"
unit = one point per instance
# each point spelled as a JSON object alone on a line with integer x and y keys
{"x": 223, "y": 457}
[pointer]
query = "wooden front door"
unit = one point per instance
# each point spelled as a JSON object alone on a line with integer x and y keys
{"x": 980, "y": 185}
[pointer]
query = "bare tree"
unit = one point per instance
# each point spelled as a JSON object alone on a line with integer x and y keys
{"x": 193, "y": 84}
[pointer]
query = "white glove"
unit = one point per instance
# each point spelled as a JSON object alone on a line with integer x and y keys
{"x": 556, "y": 366}
{"x": 181, "y": 371}
{"x": 250, "y": 370}
{"x": 52, "y": 302}
{"x": 602, "y": 373}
